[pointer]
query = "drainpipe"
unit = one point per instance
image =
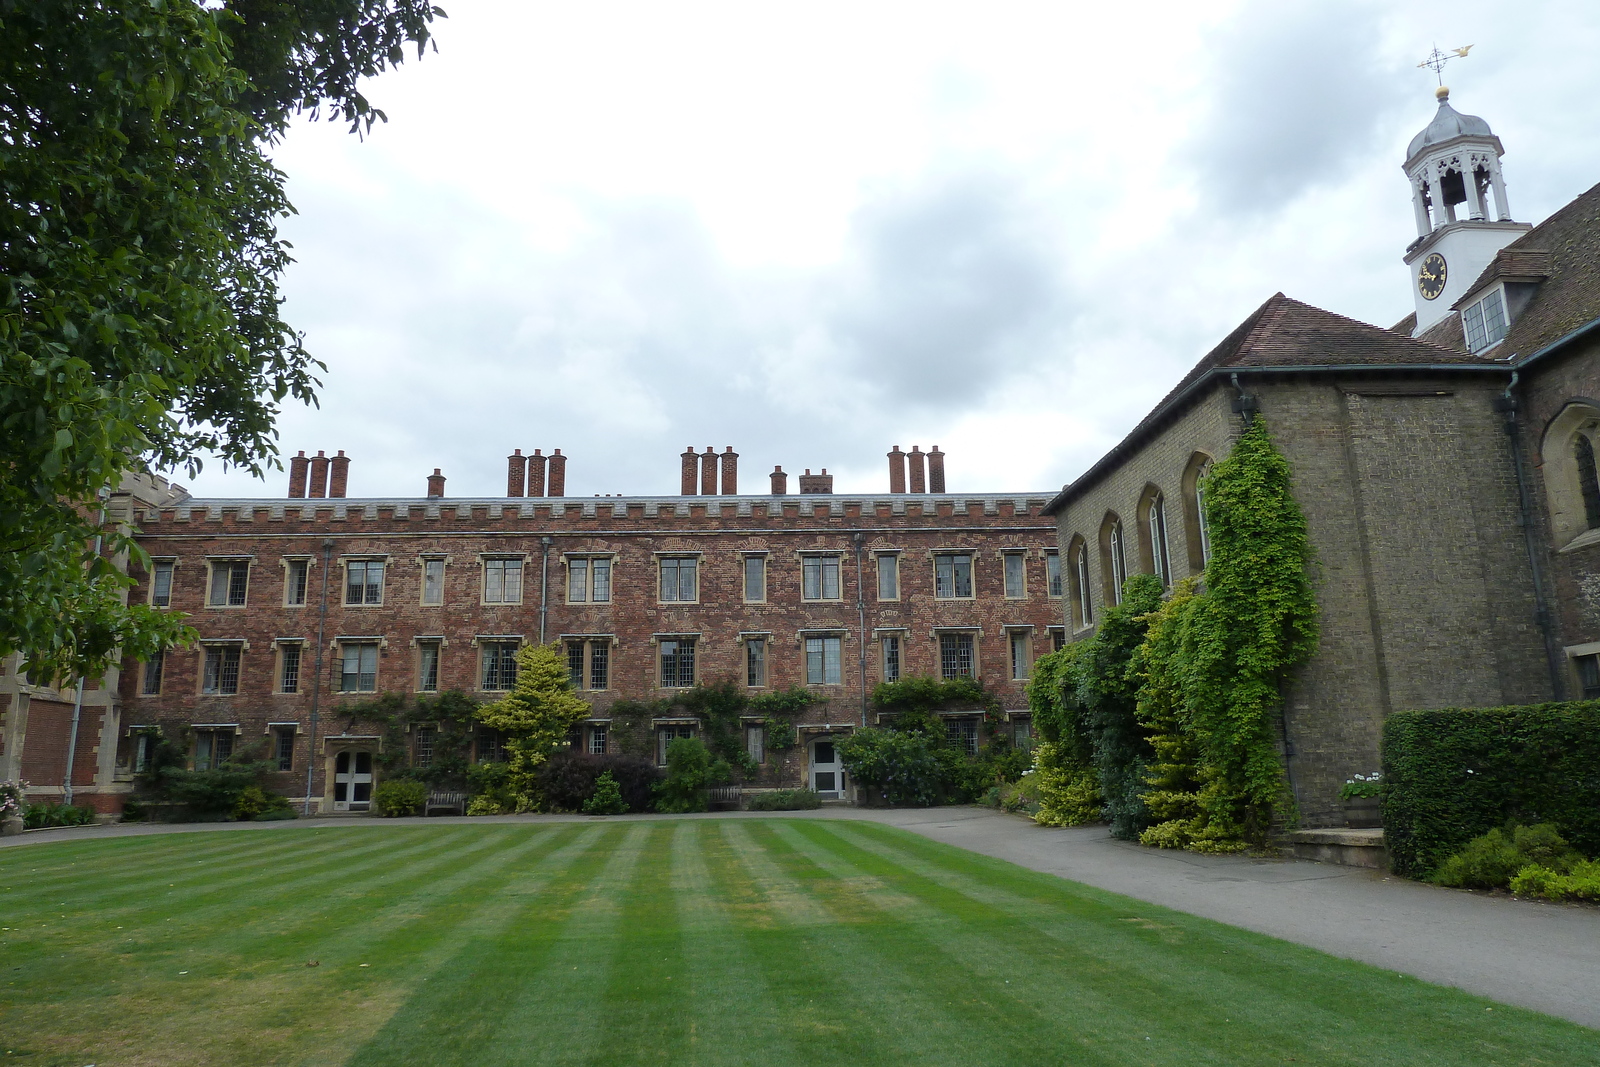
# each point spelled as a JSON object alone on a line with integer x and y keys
{"x": 861, "y": 622}
{"x": 77, "y": 702}
{"x": 1506, "y": 404}
{"x": 316, "y": 670}
{"x": 544, "y": 584}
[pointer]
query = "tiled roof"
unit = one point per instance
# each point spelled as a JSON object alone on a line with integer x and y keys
{"x": 1446, "y": 332}
{"x": 1286, "y": 334}
{"x": 1570, "y": 296}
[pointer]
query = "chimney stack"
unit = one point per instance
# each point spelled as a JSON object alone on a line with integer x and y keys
{"x": 816, "y": 483}
{"x": 435, "y": 484}
{"x": 897, "y": 470}
{"x": 691, "y": 471}
{"x": 558, "y": 473}
{"x": 780, "y": 482}
{"x": 536, "y": 464}
{"x": 935, "y": 470}
{"x": 919, "y": 476}
{"x": 730, "y": 472}
{"x": 708, "y": 472}
{"x": 338, "y": 474}
{"x": 319, "y": 476}
{"x": 516, "y": 473}
{"x": 299, "y": 468}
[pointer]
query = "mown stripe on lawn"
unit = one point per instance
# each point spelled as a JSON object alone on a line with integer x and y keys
{"x": 1245, "y": 997}
{"x": 524, "y": 994}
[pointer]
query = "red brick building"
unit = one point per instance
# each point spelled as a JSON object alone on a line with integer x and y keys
{"x": 320, "y": 602}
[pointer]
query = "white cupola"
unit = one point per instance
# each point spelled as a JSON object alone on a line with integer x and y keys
{"x": 1454, "y": 170}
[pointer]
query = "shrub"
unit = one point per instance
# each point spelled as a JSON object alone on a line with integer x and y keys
{"x": 689, "y": 773}
{"x": 786, "y": 800}
{"x": 1580, "y": 882}
{"x": 490, "y": 784}
{"x": 1492, "y": 860}
{"x": 1069, "y": 792}
{"x": 1019, "y": 797}
{"x": 255, "y": 802}
{"x": 895, "y": 766}
{"x": 486, "y": 804}
{"x": 1453, "y": 774}
{"x": 42, "y": 816}
{"x": 607, "y": 798}
{"x": 568, "y": 779}
{"x": 13, "y": 795}
{"x": 395, "y": 797}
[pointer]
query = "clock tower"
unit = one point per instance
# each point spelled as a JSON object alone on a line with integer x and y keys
{"x": 1454, "y": 170}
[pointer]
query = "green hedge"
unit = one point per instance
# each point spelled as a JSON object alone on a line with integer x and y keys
{"x": 1453, "y": 774}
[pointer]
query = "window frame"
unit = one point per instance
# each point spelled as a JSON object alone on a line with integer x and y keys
{"x": 210, "y": 734}
{"x": 821, "y": 560}
{"x": 679, "y": 643}
{"x": 365, "y": 563}
{"x": 1477, "y": 314}
{"x": 1019, "y": 667}
{"x": 297, "y": 565}
{"x": 207, "y": 648}
{"x": 1055, "y": 581}
{"x": 823, "y": 640}
{"x": 281, "y": 733}
{"x": 160, "y": 565}
{"x": 1020, "y": 557}
{"x": 677, "y": 560}
{"x": 360, "y": 644}
{"x": 591, "y": 564}
{"x": 487, "y": 562}
{"x": 892, "y": 649}
{"x": 594, "y": 656}
{"x": 158, "y": 662}
{"x": 503, "y": 649}
{"x": 956, "y": 635}
{"x": 425, "y": 646}
{"x": 955, "y": 579}
{"x": 888, "y": 564}
{"x": 757, "y": 671}
{"x": 424, "y": 564}
{"x": 757, "y": 560}
{"x": 290, "y": 652}
{"x": 233, "y": 563}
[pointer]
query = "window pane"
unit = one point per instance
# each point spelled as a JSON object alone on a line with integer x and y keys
{"x": 291, "y": 669}
{"x": 428, "y": 681}
{"x": 830, "y": 578}
{"x": 577, "y": 581}
{"x": 1019, "y": 656}
{"x": 943, "y": 577}
{"x": 814, "y": 661}
{"x": 686, "y": 580}
{"x": 599, "y": 665}
{"x": 1494, "y": 318}
{"x": 891, "y": 659}
{"x": 202, "y": 750}
{"x": 238, "y": 577}
{"x": 1014, "y": 575}
{"x": 963, "y": 570}
{"x": 433, "y": 581}
{"x": 602, "y": 581}
{"x": 221, "y": 573}
{"x": 755, "y": 661}
{"x": 811, "y": 578}
{"x": 888, "y": 577}
{"x": 1472, "y": 319}
{"x": 161, "y": 585}
{"x": 831, "y": 670}
{"x": 229, "y": 682}
{"x": 597, "y": 740}
{"x": 1052, "y": 569}
{"x": 755, "y": 742}
{"x": 755, "y": 578}
{"x": 494, "y": 581}
{"x": 955, "y": 656}
{"x": 374, "y": 582}
{"x": 575, "y": 664}
{"x": 152, "y": 673}
{"x": 513, "y": 590}
{"x": 285, "y": 750}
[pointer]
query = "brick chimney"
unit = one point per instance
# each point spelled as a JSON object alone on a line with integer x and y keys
{"x": 730, "y": 472}
{"x": 435, "y": 484}
{"x": 780, "y": 482}
{"x": 708, "y": 472}
{"x": 338, "y": 474}
{"x": 319, "y": 476}
{"x": 935, "y": 470}
{"x": 299, "y": 469}
{"x": 516, "y": 473}
{"x": 558, "y": 473}
{"x": 919, "y": 475}
{"x": 897, "y": 470}
{"x": 816, "y": 483}
{"x": 691, "y": 471}
{"x": 536, "y": 464}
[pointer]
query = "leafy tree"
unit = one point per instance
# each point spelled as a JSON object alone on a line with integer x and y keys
{"x": 690, "y": 770}
{"x": 536, "y": 717}
{"x": 139, "y": 265}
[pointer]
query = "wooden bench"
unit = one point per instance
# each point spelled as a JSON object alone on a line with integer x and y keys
{"x": 441, "y": 801}
{"x": 725, "y": 797}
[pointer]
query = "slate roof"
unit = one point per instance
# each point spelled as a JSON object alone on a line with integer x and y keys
{"x": 1566, "y": 246}
{"x": 1288, "y": 335}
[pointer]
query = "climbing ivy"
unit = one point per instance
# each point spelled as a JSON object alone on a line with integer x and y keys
{"x": 1063, "y": 767}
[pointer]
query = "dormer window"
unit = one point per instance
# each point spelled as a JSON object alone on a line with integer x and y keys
{"x": 1485, "y": 322}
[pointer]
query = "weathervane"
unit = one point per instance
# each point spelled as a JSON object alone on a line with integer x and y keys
{"x": 1437, "y": 59}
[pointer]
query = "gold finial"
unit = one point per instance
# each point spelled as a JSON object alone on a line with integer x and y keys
{"x": 1437, "y": 59}
{"x": 1443, "y": 93}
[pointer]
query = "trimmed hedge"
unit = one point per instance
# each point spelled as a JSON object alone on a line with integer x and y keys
{"x": 1453, "y": 774}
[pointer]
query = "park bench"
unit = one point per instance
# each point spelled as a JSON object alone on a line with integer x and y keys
{"x": 442, "y": 801}
{"x": 725, "y": 797}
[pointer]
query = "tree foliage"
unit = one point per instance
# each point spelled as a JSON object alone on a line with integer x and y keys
{"x": 140, "y": 324}
{"x": 536, "y": 717}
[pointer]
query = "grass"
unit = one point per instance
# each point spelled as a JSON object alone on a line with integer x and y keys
{"x": 764, "y": 942}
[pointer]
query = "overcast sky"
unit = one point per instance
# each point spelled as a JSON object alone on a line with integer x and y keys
{"x": 813, "y": 231}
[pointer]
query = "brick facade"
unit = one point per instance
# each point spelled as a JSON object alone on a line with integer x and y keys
{"x": 549, "y": 537}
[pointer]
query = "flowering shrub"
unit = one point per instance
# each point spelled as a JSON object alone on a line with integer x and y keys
{"x": 11, "y": 794}
{"x": 1362, "y": 785}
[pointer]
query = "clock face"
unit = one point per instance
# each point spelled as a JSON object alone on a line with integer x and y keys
{"x": 1431, "y": 276}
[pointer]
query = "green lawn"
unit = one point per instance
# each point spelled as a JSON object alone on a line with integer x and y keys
{"x": 725, "y": 941}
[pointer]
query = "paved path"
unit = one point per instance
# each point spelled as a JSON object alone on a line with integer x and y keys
{"x": 1540, "y": 956}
